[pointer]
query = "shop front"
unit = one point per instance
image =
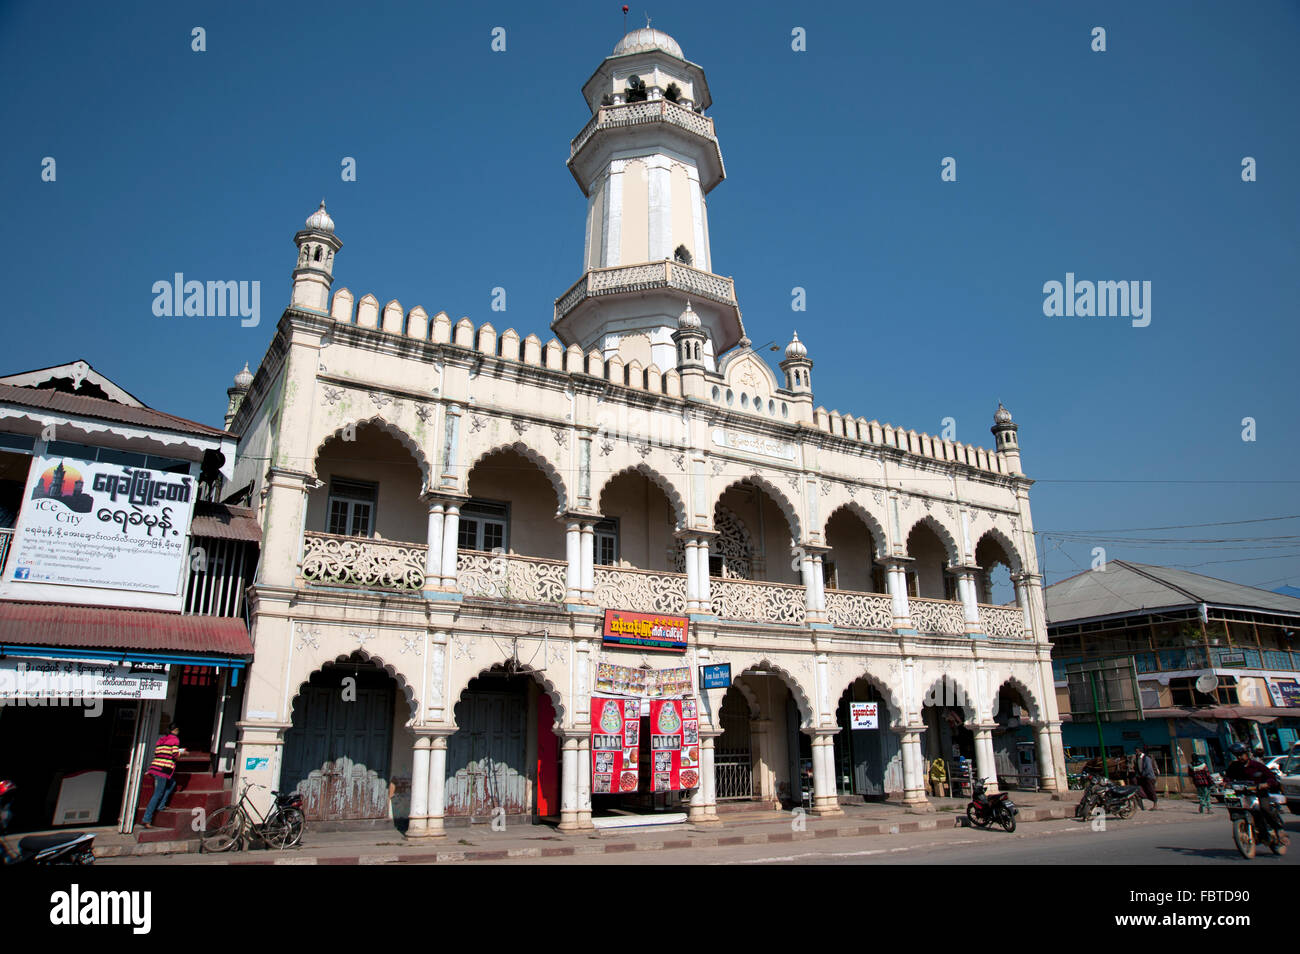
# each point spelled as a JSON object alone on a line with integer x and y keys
{"x": 78, "y": 722}
{"x": 645, "y": 725}
{"x": 868, "y": 759}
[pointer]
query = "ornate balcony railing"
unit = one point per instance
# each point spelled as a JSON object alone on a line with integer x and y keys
{"x": 647, "y": 277}
{"x": 500, "y": 576}
{"x": 1002, "y": 622}
{"x": 853, "y": 610}
{"x": 938, "y": 617}
{"x": 758, "y": 602}
{"x": 641, "y": 591}
{"x": 331, "y": 560}
{"x": 635, "y": 114}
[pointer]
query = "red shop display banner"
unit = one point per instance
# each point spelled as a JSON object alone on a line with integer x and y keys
{"x": 615, "y": 742}
{"x": 674, "y": 744}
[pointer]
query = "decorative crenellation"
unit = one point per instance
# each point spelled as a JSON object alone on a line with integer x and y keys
{"x": 571, "y": 360}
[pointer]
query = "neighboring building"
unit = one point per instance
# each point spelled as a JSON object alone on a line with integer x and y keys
{"x": 121, "y": 596}
{"x": 1216, "y": 662}
{"x": 454, "y": 516}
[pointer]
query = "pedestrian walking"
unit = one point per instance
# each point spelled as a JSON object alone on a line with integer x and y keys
{"x": 1146, "y": 775}
{"x": 163, "y": 770}
{"x": 1200, "y": 773}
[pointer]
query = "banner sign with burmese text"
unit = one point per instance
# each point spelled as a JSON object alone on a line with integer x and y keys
{"x": 645, "y": 631}
{"x": 103, "y": 525}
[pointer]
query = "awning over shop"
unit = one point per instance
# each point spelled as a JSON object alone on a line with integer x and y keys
{"x": 225, "y": 522}
{"x": 1257, "y": 713}
{"x": 126, "y": 632}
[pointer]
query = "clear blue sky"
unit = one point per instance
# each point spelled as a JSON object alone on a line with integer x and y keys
{"x": 924, "y": 297}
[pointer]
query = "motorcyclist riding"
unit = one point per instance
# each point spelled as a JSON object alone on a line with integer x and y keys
{"x": 1243, "y": 768}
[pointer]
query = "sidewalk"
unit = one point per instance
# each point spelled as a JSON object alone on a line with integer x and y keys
{"x": 481, "y": 843}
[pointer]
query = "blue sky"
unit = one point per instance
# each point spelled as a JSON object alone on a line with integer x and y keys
{"x": 924, "y": 297}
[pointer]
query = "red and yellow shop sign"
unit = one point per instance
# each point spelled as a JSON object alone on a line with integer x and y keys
{"x": 645, "y": 631}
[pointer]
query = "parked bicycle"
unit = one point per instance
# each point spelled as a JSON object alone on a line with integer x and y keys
{"x": 230, "y": 827}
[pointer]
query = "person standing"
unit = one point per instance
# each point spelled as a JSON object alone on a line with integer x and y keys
{"x": 1146, "y": 775}
{"x": 1200, "y": 773}
{"x": 163, "y": 770}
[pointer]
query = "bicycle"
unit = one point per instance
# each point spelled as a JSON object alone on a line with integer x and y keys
{"x": 229, "y": 827}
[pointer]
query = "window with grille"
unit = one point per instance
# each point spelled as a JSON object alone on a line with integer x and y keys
{"x": 606, "y": 543}
{"x": 352, "y": 508}
{"x": 483, "y": 526}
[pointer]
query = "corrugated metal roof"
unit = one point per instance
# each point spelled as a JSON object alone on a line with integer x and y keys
{"x": 79, "y": 404}
{"x": 1128, "y": 588}
{"x": 225, "y": 522}
{"x": 108, "y": 627}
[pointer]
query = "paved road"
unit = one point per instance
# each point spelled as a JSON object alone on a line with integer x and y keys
{"x": 1151, "y": 838}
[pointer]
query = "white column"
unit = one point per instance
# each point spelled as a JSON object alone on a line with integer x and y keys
{"x": 433, "y": 553}
{"x": 573, "y": 553}
{"x": 709, "y": 775}
{"x": 588, "y": 562}
{"x": 825, "y": 801}
{"x": 418, "y": 826}
{"x": 691, "y": 545}
{"x": 584, "y": 781}
{"x": 450, "y": 536}
{"x": 985, "y": 766}
{"x": 966, "y": 592}
{"x": 702, "y": 575}
{"x": 569, "y": 784}
{"x": 809, "y": 591}
{"x": 1022, "y": 600}
{"x": 896, "y": 578}
{"x": 437, "y": 785}
{"x": 819, "y": 585}
{"x": 913, "y": 766}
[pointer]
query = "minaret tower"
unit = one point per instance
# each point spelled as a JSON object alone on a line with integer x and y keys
{"x": 645, "y": 161}
{"x": 314, "y": 275}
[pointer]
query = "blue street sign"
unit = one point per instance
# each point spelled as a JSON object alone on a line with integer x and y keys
{"x": 715, "y": 677}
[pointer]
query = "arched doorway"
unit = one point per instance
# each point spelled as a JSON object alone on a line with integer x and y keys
{"x": 868, "y": 759}
{"x": 1014, "y": 749}
{"x": 339, "y": 750}
{"x": 504, "y": 757}
{"x": 733, "y": 757}
{"x": 948, "y": 734}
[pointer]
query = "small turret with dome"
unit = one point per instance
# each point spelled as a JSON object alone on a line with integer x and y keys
{"x": 235, "y": 394}
{"x": 797, "y": 367}
{"x": 1004, "y": 433}
{"x": 314, "y": 275}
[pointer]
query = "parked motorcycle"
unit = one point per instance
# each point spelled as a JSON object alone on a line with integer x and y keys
{"x": 61, "y": 848}
{"x": 985, "y": 809}
{"x": 1250, "y": 826}
{"x": 1119, "y": 801}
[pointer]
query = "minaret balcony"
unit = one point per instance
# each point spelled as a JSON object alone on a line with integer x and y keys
{"x": 669, "y": 121}
{"x": 649, "y": 278}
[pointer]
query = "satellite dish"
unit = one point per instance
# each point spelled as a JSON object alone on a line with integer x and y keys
{"x": 1206, "y": 684}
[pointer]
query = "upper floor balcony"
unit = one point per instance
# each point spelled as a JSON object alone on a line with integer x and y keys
{"x": 368, "y": 527}
{"x": 663, "y": 121}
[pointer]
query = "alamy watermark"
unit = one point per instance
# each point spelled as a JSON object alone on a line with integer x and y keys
{"x": 1087, "y": 299}
{"x": 194, "y": 299}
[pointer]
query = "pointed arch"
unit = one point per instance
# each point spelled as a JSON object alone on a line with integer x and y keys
{"x": 743, "y": 665}
{"x": 783, "y": 502}
{"x": 1014, "y": 682}
{"x": 547, "y": 687}
{"x": 656, "y": 478}
{"x": 1014, "y": 562}
{"x": 942, "y": 532}
{"x": 535, "y": 457}
{"x": 890, "y": 694}
{"x": 405, "y": 439}
{"x": 950, "y": 689}
{"x": 880, "y": 543}
{"x": 343, "y": 659}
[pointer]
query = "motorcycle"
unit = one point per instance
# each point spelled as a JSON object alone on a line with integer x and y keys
{"x": 1119, "y": 801}
{"x": 61, "y": 848}
{"x": 984, "y": 809}
{"x": 1250, "y": 825}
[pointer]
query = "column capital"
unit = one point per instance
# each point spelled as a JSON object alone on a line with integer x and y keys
{"x": 821, "y": 733}
{"x": 895, "y": 561}
{"x": 579, "y": 516}
{"x": 441, "y": 497}
{"x": 687, "y": 532}
{"x": 814, "y": 549}
{"x": 970, "y": 568}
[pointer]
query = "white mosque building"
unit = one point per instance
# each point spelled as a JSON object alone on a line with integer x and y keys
{"x": 623, "y": 567}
